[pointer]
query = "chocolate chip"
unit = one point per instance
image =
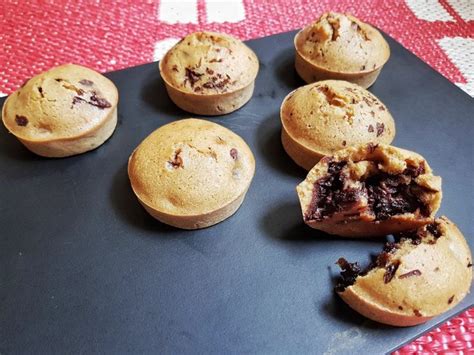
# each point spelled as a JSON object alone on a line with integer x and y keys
{"x": 469, "y": 264}
{"x": 349, "y": 274}
{"x": 21, "y": 120}
{"x": 451, "y": 299}
{"x": 370, "y": 129}
{"x": 209, "y": 71}
{"x": 86, "y": 82}
{"x": 234, "y": 153}
{"x": 214, "y": 60}
{"x": 411, "y": 273}
{"x": 433, "y": 228}
{"x": 40, "y": 89}
{"x": 192, "y": 76}
{"x": 362, "y": 67}
{"x": 400, "y": 308}
{"x": 390, "y": 271}
{"x": 380, "y": 128}
{"x": 99, "y": 102}
{"x": 382, "y": 108}
{"x": 177, "y": 161}
{"x": 417, "y": 313}
{"x": 175, "y": 68}
{"x": 344, "y": 143}
{"x": 197, "y": 89}
{"x": 58, "y": 80}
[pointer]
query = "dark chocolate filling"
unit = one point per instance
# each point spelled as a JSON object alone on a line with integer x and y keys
{"x": 387, "y": 194}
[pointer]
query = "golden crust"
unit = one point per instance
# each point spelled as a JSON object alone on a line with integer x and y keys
{"x": 320, "y": 118}
{"x": 431, "y": 278}
{"x": 209, "y": 73}
{"x": 362, "y": 161}
{"x": 191, "y": 173}
{"x": 339, "y": 46}
{"x": 64, "y": 111}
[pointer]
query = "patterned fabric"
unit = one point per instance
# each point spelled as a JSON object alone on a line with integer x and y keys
{"x": 115, "y": 34}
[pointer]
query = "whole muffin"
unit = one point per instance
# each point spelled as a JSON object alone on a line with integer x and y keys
{"x": 321, "y": 118}
{"x": 64, "y": 111}
{"x": 209, "y": 73}
{"x": 191, "y": 173}
{"x": 339, "y": 46}
{"x": 423, "y": 275}
{"x": 370, "y": 190}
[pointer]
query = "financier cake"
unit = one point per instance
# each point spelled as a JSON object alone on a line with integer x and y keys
{"x": 64, "y": 111}
{"x": 209, "y": 73}
{"x": 370, "y": 190}
{"x": 191, "y": 173}
{"x": 425, "y": 274}
{"x": 320, "y": 118}
{"x": 339, "y": 46}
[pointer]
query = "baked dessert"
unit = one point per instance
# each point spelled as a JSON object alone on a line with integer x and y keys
{"x": 209, "y": 73}
{"x": 320, "y": 118}
{"x": 64, "y": 111}
{"x": 191, "y": 173}
{"x": 370, "y": 190}
{"x": 339, "y": 46}
{"x": 413, "y": 280}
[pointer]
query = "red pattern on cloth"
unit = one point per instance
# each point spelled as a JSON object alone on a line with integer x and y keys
{"x": 116, "y": 34}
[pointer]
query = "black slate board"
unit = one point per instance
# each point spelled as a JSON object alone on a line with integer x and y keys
{"x": 83, "y": 268}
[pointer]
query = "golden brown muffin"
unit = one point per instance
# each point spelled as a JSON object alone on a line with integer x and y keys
{"x": 370, "y": 190}
{"x": 339, "y": 46}
{"x": 425, "y": 274}
{"x": 321, "y": 118}
{"x": 209, "y": 73}
{"x": 64, "y": 111}
{"x": 191, "y": 173}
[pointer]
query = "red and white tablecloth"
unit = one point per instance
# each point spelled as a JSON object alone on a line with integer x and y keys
{"x": 114, "y": 34}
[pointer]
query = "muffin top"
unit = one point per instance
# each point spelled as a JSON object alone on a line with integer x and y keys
{"x": 341, "y": 43}
{"x": 190, "y": 167}
{"x": 63, "y": 102}
{"x": 329, "y": 115}
{"x": 207, "y": 63}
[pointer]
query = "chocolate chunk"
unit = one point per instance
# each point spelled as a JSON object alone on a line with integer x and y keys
{"x": 86, "y": 82}
{"x": 197, "y": 89}
{"x": 192, "y": 76}
{"x": 344, "y": 143}
{"x": 58, "y": 80}
{"x": 362, "y": 67}
{"x": 469, "y": 264}
{"x": 177, "y": 161}
{"x": 99, "y": 102}
{"x": 234, "y": 154}
{"x": 371, "y": 147}
{"x": 40, "y": 89}
{"x": 380, "y": 128}
{"x": 349, "y": 274}
{"x": 434, "y": 230}
{"x": 370, "y": 129}
{"x": 209, "y": 71}
{"x": 411, "y": 273}
{"x": 175, "y": 68}
{"x": 451, "y": 299}
{"x": 390, "y": 271}
{"x": 21, "y": 120}
{"x": 400, "y": 308}
{"x": 77, "y": 99}
{"x": 417, "y": 313}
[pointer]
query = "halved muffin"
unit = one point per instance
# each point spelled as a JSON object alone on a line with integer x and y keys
{"x": 422, "y": 276}
{"x": 370, "y": 190}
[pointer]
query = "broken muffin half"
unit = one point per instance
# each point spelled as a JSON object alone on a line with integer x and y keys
{"x": 427, "y": 272}
{"x": 370, "y": 190}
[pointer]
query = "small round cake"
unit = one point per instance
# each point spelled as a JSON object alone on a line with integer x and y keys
{"x": 368, "y": 191}
{"x": 209, "y": 73}
{"x": 426, "y": 273}
{"x": 320, "y": 118}
{"x": 64, "y": 111}
{"x": 339, "y": 46}
{"x": 191, "y": 173}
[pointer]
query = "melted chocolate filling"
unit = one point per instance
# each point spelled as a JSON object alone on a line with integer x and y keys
{"x": 349, "y": 273}
{"x": 387, "y": 194}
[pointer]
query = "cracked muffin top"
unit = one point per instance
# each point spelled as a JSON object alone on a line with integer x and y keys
{"x": 342, "y": 43}
{"x": 61, "y": 103}
{"x": 329, "y": 115}
{"x": 207, "y": 63}
{"x": 190, "y": 167}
